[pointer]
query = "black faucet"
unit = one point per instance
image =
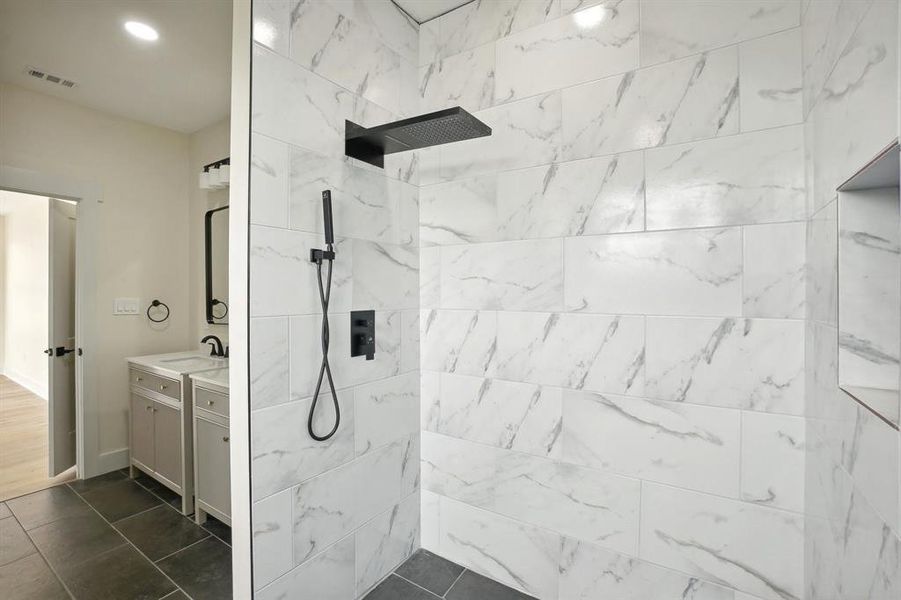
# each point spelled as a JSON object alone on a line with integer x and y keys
{"x": 215, "y": 346}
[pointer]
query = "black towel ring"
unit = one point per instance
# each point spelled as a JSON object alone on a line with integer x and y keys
{"x": 158, "y": 303}
{"x": 215, "y": 302}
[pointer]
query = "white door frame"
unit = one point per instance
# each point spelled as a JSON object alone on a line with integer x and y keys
{"x": 87, "y": 195}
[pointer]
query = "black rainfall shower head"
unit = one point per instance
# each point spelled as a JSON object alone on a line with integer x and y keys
{"x": 432, "y": 129}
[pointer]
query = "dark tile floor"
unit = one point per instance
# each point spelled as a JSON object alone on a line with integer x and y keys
{"x": 110, "y": 538}
{"x": 427, "y": 576}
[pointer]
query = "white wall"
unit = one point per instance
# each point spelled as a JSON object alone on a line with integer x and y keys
{"x": 141, "y": 245}
{"x": 24, "y": 254}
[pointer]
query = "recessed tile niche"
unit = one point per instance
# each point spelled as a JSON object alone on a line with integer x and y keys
{"x": 869, "y": 285}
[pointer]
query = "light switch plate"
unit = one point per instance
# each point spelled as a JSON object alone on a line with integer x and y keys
{"x": 126, "y": 306}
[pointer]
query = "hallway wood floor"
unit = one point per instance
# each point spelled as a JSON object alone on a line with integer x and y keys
{"x": 23, "y": 442}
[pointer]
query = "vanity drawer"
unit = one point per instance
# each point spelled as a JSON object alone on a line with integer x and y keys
{"x": 155, "y": 383}
{"x": 211, "y": 401}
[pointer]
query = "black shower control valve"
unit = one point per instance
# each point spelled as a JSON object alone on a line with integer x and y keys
{"x": 317, "y": 255}
{"x": 362, "y": 333}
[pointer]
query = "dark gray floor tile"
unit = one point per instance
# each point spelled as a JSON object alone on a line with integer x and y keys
{"x": 120, "y": 499}
{"x": 4, "y": 511}
{"x": 30, "y": 578}
{"x": 176, "y": 595}
{"x": 395, "y": 588}
{"x": 160, "y": 532}
{"x": 122, "y": 574}
{"x": 14, "y": 542}
{"x": 73, "y": 540}
{"x": 203, "y": 571}
{"x": 94, "y": 483}
{"x": 472, "y": 586}
{"x": 159, "y": 490}
{"x": 219, "y": 529}
{"x": 430, "y": 571}
{"x": 47, "y": 506}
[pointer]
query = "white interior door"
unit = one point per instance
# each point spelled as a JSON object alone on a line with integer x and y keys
{"x": 62, "y": 336}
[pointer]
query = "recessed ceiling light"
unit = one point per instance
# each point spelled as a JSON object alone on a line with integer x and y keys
{"x": 142, "y": 31}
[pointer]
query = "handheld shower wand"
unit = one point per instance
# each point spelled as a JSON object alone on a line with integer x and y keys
{"x": 319, "y": 256}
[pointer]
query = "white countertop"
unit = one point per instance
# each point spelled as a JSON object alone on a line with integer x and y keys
{"x": 216, "y": 377}
{"x": 180, "y": 363}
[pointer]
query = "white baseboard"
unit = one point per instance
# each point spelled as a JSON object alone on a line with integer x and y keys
{"x": 34, "y": 386}
{"x": 112, "y": 460}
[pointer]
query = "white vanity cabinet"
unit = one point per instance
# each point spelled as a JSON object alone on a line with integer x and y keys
{"x": 212, "y": 474}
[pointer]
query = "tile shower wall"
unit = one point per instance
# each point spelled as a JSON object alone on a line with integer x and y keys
{"x": 851, "y": 103}
{"x": 613, "y": 298}
{"x": 330, "y": 519}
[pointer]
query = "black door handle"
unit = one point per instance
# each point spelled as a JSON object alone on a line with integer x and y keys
{"x": 49, "y": 351}
{"x": 62, "y": 350}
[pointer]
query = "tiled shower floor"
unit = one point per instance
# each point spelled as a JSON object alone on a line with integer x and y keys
{"x": 426, "y": 576}
{"x": 110, "y": 538}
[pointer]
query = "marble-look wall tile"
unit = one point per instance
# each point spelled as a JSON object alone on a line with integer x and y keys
{"x": 430, "y": 521}
{"x": 588, "y": 572}
{"x": 458, "y": 341}
{"x": 272, "y": 24}
{"x": 410, "y": 473}
{"x": 748, "y": 178}
{"x": 465, "y": 79}
{"x": 695, "y": 272}
{"x": 689, "y": 99}
{"x": 272, "y": 542}
{"x": 409, "y": 341}
{"x": 393, "y": 27}
{"x": 670, "y": 30}
{"x": 822, "y": 265}
{"x": 386, "y": 411}
{"x": 524, "y": 275}
{"x": 329, "y": 576}
{"x": 386, "y": 542}
{"x": 283, "y": 455}
{"x": 599, "y": 195}
{"x": 525, "y": 133}
{"x": 459, "y": 469}
{"x": 510, "y": 415}
{"x": 752, "y": 364}
{"x": 430, "y": 400}
{"x": 283, "y": 280}
{"x": 772, "y": 460}
{"x": 693, "y": 447}
{"x": 269, "y": 375}
{"x": 509, "y": 551}
{"x": 728, "y": 541}
{"x": 429, "y": 277}
{"x": 771, "y": 93}
{"x": 591, "y": 352}
{"x": 596, "y": 43}
{"x": 774, "y": 270}
{"x": 458, "y": 212}
{"x": 269, "y": 181}
{"x": 385, "y": 276}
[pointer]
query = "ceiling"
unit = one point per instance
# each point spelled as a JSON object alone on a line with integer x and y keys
{"x": 423, "y": 10}
{"x": 179, "y": 82}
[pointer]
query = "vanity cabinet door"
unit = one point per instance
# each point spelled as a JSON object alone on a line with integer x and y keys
{"x": 213, "y": 475}
{"x": 167, "y": 442}
{"x": 142, "y": 430}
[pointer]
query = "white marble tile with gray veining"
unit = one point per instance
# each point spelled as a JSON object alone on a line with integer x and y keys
{"x": 328, "y": 576}
{"x": 465, "y": 79}
{"x": 269, "y": 362}
{"x": 458, "y": 341}
{"x": 385, "y": 276}
{"x": 410, "y": 472}
{"x": 409, "y": 341}
{"x": 430, "y": 400}
{"x": 430, "y": 521}
{"x": 696, "y": 272}
{"x": 525, "y": 133}
{"x": 771, "y": 93}
{"x": 695, "y": 447}
{"x": 822, "y": 265}
{"x": 272, "y": 538}
{"x": 749, "y": 178}
{"x": 772, "y": 460}
{"x": 385, "y": 542}
{"x": 598, "y": 195}
{"x": 269, "y": 181}
{"x": 591, "y": 352}
{"x": 506, "y": 414}
{"x": 386, "y": 411}
{"x": 775, "y": 270}
{"x": 272, "y": 24}
{"x": 588, "y": 572}
{"x": 725, "y": 541}
{"x": 670, "y": 30}
{"x": 693, "y": 98}
{"x": 593, "y": 43}
{"x": 459, "y": 469}
{"x": 523, "y": 275}
{"x": 458, "y": 212}
{"x": 512, "y": 552}
{"x": 393, "y": 26}
{"x": 752, "y": 364}
{"x": 429, "y": 277}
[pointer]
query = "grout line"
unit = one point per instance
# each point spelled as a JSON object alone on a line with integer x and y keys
{"x": 208, "y": 536}
{"x": 41, "y": 554}
{"x": 459, "y": 577}
{"x": 396, "y": 574}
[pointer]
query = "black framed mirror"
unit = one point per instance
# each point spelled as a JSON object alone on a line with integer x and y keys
{"x": 216, "y": 265}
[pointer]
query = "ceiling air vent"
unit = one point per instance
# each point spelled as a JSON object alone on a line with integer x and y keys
{"x": 39, "y": 74}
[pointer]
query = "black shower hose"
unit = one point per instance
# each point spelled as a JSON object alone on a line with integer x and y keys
{"x": 325, "y": 370}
